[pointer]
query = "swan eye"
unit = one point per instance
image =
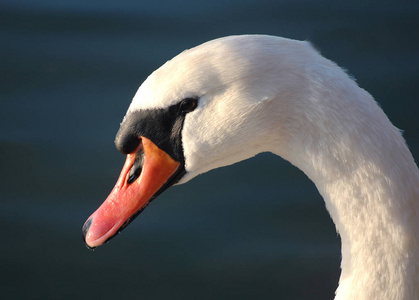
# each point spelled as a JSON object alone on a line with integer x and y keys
{"x": 188, "y": 104}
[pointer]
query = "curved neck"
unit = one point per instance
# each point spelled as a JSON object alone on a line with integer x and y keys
{"x": 370, "y": 184}
{"x": 375, "y": 210}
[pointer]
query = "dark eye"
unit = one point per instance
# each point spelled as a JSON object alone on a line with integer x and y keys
{"x": 188, "y": 104}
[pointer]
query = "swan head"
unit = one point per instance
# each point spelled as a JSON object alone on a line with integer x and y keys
{"x": 208, "y": 107}
{"x": 239, "y": 84}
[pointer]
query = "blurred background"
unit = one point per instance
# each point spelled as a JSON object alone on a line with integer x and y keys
{"x": 255, "y": 230}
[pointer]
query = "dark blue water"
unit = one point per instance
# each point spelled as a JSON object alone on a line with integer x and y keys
{"x": 256, "y": 230}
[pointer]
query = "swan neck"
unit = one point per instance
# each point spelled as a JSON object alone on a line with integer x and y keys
{"x": 370, "y": 184}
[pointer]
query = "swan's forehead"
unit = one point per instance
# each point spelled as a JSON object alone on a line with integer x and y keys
{"x": 187, "y": 75}
{"x": 205, "y": 69}
{"x": 213, "y": 68}
{"x": 161, "y": 89}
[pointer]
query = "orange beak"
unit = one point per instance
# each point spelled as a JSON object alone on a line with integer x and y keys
{"x": 128, "y": 198}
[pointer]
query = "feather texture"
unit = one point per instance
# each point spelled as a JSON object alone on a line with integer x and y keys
{"x": 262, "y": 93}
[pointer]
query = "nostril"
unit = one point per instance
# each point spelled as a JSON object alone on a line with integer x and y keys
{"x": 137, "y": 167}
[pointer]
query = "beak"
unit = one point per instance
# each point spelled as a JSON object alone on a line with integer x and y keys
{"x": 147, "y": 172}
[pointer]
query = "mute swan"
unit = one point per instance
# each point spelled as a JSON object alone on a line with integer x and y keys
{"x": 231, "y": 98}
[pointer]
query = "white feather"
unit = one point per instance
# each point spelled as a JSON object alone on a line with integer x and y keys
{"x": 262, "y": 93}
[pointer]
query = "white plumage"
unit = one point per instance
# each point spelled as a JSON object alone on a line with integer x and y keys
{"x": 263, "y": 93}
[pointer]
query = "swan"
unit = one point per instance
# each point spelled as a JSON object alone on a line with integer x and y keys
{"x": 234, "y": 97}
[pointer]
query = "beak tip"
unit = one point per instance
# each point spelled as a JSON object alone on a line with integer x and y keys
{"x": 85, "y": 229}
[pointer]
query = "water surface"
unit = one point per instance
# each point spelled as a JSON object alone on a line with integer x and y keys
{"x": 257, "y": 229}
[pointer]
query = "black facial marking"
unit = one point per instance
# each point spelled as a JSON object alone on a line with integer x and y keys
{"x": 162, "y": 126}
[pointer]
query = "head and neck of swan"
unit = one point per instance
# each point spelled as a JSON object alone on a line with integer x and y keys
{"x": 250, "y": 94}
